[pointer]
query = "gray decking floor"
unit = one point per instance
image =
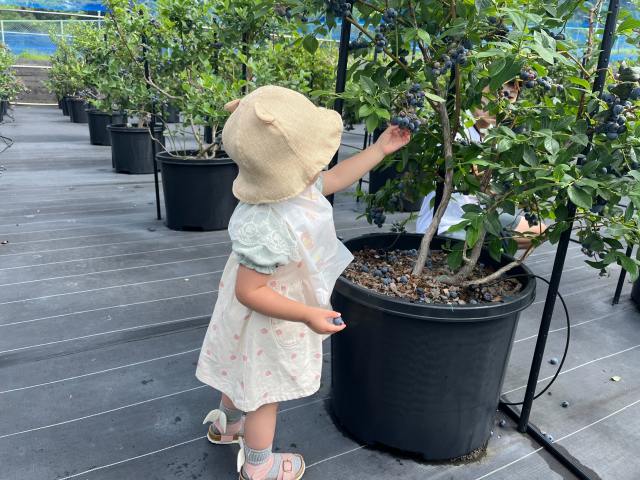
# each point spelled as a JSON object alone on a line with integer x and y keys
{"x": 103, "y": 310}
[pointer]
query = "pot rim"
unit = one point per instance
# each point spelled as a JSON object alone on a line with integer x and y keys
{"x": 95, "y": 111}
{"x": 438, "y": 311}
{"x": 165, "y": 157}
{"x": 122, "y": 127}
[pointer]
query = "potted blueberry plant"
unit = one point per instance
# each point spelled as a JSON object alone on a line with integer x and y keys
{"x": 10, "y": 85}
{"x": 431, "y": 320}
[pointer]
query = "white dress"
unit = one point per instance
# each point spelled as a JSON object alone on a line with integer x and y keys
{"x": 252, "y": 358}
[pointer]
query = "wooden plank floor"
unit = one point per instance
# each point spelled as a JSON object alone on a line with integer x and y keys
{"x": 103, "y": 310}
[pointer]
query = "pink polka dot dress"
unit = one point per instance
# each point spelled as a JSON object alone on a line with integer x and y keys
{"x": 255, "y": 359}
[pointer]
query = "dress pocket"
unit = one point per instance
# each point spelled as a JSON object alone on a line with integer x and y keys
{"x": 288, "y": 334}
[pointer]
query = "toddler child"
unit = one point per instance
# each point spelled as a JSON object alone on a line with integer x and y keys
{"x": 264, "y": 342}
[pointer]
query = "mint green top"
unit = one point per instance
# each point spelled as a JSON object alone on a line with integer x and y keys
{"x": 265, "y": 242}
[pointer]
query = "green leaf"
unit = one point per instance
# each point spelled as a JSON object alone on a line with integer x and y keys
{"x": 580, "y": 139}
{"x": 552, "y": 145}
{"x": 424, "y": 36}
{"x": 579, "y": 81}
{"x": 382, "y": 113}
{"x": 579, "y": 197}
{"x": 628, "y": 264}
{"x": 629, "y": 23}
{"x": 495, "y": 248}
{"x": 504, "y": 145}
{"x": 368, "y": 85}
{"x": 372, "y": 122}
{"x": 365, "y": 111}
{"x": 509, "y": 72}
{"x": 434, "y": 97}
{"x": 454, "y": 259}
{"x": 545, "y": 54}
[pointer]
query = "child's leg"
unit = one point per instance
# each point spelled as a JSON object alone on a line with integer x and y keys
{"x": 227, "y": 423}
{"x": 260, "y": 462}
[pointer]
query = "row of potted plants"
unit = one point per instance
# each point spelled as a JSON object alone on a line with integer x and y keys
{"x": 11, "y": 87}
{"x": 187, "y": 57}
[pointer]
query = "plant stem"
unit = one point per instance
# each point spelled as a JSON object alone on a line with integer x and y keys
{"x": 432, "y": 230}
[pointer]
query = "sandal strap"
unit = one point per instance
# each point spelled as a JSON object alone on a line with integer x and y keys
{"x": 217, "y": 416}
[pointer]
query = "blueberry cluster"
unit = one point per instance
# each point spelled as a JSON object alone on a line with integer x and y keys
{"x": 457, "y": 54}
{"x": 286, "y": 12}
{"x": 410, "y": 121}
{"x": 598, "y": 207}
{"x": 531, "y": 218}
{"x": 635, "y": 94}
{"x": 614, "y": 123}
{"x": 377, "y": 216}
{"x": 359, "y": 43}
{"x": 531, "y": 80}
{"x": 380, "y": 41}
{"x": 498, "y": 26}
{"x": 340, "y": 8}
{"x": 556, "y": 36}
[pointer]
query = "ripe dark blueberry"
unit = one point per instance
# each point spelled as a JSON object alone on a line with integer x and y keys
{"x": 338, "y": 321}
{"x": 559, "y": 88}
{"x": 553, "y": 361}
{"x": 394, "y": 121}
{"x": 364, "y": 269}
{"x": 386, "y": 281}
{"x": 617, "y": 110}
{"x": 524, "y": 75}
{"x": 612, "y": 127}
{"x": 565, "y": 404}
{"x": 621, "y": 120}
{"x": 635, "y": 94}
{"x": 384, "y": 269}
{"x": 621, "y": 129}
{"x": 612, "y": 136}
{"x": 487, "y": 297}
{"x": 609, "y": 98}
{"x": 436, "y": 72}
{"x": 420, "y": 291}
{"x": 502, "y": 423}
{"x": 377, "y": 273}
{"x": 530, "y": 84}
{"x": 404, "y": 279}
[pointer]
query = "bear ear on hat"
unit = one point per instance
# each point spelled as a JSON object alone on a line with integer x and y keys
{"x": 232, "y": 105}
{"x": 263, "y": 114}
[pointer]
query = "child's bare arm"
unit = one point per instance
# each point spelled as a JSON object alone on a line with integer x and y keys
{"x": 348, "y": 171}
{"x": 253, "y": 292}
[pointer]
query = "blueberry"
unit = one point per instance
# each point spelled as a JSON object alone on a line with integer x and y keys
{"x": 565, "y": 404}
{"x": 377, "y": 273}
{"x": 612, "y": 136}
{"x": 364, "y": 269}
{"x": 473, "y": 301}
{"x": 420, "y": 291}
{"x": 453, "y": 294}
{"x": 609, "y": 98}
{"x": 384, "y": 269}
{"x": 635, "y": 94}
{"x": 386, "y": 281}
{"x": 487, "y": 297}
{"x": 524, "y": 75}
{"x": 338, "y": 321}
{"x": 621, "y": 129}
{"x": 617, "y": 110}
{"x": 621, "y": 120}
{"x": 549, "y": 437}
{"x": 553, "y": 361}
{"x": 436, "y": 72}
{"x": 530, "y": 84}
{"x": 404, "y": 279}
{"x": 502, "y": 423}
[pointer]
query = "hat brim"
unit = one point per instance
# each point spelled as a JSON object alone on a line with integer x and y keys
{"x": 329, "y": 129}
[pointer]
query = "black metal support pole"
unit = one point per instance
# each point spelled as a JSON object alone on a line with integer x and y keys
{"x": 341, "y": 77}
{"x": 152, "y": 127}
{"x": 245, "y": 51}
{"x": 561, "y": 254}
{"x": 623, "y": 274}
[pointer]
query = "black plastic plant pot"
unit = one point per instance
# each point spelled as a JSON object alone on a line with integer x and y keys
{"x": 4, "y": 107}
{"x": 421, "y": 378}
{"x": 172, "y": 114}
{"x": 635, "y": 292}
{"x": 77, "y": 110}
{"x": 197, "y": 192}
{"x": 378, "y": 178}
{"x": 131, "y": 148}
{"x": 60, "y": 103}
{"x": 98, "y": 121}
{"x": 65, "y": 106}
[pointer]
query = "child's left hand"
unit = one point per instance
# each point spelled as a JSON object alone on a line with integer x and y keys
{"x": 393, "y": 139}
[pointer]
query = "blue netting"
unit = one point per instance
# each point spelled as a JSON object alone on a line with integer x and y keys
{"x": 60, "y": 5}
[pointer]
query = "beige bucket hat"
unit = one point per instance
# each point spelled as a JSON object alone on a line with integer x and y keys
{"x": 280, "y": 141}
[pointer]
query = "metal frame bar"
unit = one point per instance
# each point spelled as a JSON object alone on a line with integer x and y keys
{"x": 341, "y": 78}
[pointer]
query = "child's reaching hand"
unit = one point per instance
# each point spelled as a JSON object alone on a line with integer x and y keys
{"x": 393, "y": 139}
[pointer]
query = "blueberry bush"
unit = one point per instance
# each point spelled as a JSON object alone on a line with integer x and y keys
{"x": 431, "y": 66}
{"x": 10, "y": 85}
